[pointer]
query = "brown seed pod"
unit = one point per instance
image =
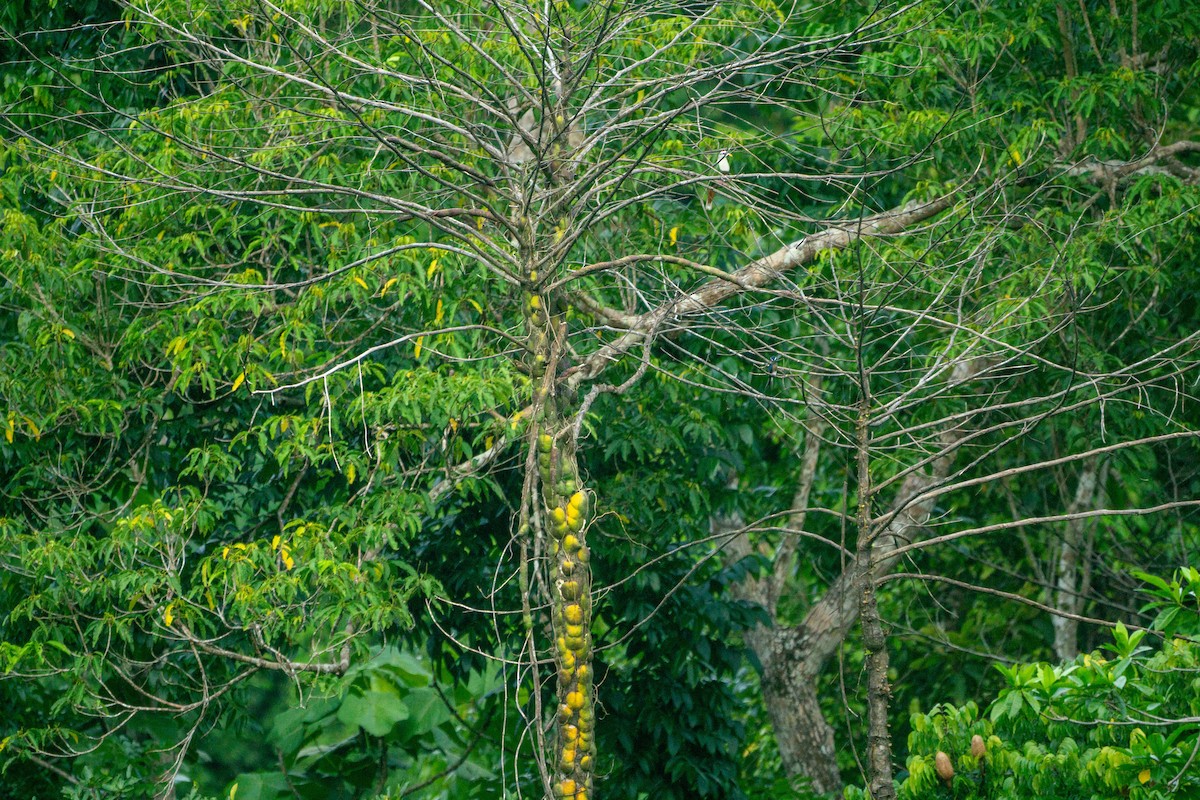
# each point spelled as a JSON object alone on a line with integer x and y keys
{"x": 977, "y": 747}
{"x": 945, "y": 770}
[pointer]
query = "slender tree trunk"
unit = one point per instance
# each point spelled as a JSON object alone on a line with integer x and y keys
{"x": 879, "y": 692}
{"x": 1067, "y": 595}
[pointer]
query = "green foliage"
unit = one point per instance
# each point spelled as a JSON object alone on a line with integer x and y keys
{"x": 1113, "y": 723}
{"x": 188, "y": 234}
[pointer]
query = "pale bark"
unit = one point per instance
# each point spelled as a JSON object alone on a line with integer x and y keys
{"x": 1068, "y": 596}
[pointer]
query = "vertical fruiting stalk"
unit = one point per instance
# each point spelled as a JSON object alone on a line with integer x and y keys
{"x": 565, "y": 507}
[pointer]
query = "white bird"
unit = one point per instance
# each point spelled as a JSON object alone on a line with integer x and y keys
{"x": 723, "y": 162}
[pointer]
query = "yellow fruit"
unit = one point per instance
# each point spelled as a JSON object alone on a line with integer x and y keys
{"x": 558, "y": 515}
{"x": 573, "y": 614}
{"x": 581, "y": 795}
{"x": 566, "y": 788}
{"x": 576, "y": 643}
{"x": 567, "y": 566}
{"x": 565, "y": 713}
{"x": 574, "y": 631}
{"x": 583, "y": 673}
{"x": 545, "y": 443}
{"x": 570, "y": 542}
{"x": 570, "y": 733}
{"x": 583, "y": 555}
{"x": 585, "y": 763}
{"x": 569, "y": 590}
{"x": 568, "y": 755}
{"x": 535, "y": 302}
{"x": 575, "y": 700}
{"x": 566, "y": 656}
{"x": 579, "y": 502}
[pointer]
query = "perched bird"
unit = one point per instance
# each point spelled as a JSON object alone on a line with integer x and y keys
{"x": 722, "y": 165}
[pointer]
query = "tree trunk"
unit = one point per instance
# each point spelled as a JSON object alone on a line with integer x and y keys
{"x": 804, "y": 736}
{"x": 1067, "y": 595}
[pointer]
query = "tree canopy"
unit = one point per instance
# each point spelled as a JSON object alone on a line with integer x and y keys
{"x": 575, "y": 399}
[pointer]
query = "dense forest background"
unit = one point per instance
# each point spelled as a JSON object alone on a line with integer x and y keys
{"x": 500, "y": 398}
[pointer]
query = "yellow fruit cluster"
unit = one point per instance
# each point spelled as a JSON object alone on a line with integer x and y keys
{"x": 535, "y": 314}
{"x": 567, "y": 515}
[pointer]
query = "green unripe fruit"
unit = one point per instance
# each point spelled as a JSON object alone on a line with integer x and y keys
{"x": 571, "y": 543}
{"x": 569, "y": 590}
{"x": 576, "y": 643}
{"x": 545, "y": 443}
{"x": 567, "y": 567}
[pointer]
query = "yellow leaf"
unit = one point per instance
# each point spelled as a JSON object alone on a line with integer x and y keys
{"x": 168, "y": 616}
{"x": 391, "y": 282}
{"x": 275, "y": 542}
{"x": 417, "y": 349}
{"x": 477, "y": 307}
{"x": 1015, "y": 155}
{"x": 238, "y": 381}
{"x": 232, "y": 791}
{"x": 33, "y": 428}
{"x": 439, "y": 314}
{"x": 1144, "y": 776}
{"x": 674, "y": 234}
{"x": 350, "y": 473}
{"x": 358, "y": 279}
{"x": 53, "y": 174}
{"x": 67, "y": 332}
{"x": 479, "y": 223}
{"x": 489, "y": 441}
{"x": 284, "y": 424}
{"x": 433, "y": 267}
